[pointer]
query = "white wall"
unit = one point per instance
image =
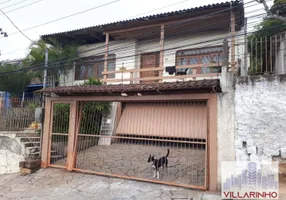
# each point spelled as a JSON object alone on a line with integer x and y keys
{"x": 260, "y": 104}
{"x": 11, "y": 153}
{"x": 225, "y": 122}
{"x": 122, "y": 49}
{"x": 128, "y": 51}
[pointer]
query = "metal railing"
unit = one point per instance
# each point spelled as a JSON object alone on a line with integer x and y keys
{"x": 17, "y": 114}
{"x": 266, "y": 55}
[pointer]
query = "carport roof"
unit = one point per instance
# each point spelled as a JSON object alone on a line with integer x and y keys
{"x": 208, "y": 85}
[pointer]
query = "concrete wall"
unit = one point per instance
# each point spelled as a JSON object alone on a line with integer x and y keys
{"x": 11, "y": 153}
{"x": 225, "y": 122}
{"x": 260, "y": 104}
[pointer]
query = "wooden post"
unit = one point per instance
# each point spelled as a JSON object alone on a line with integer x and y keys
{"x": 161, "y": 65}
{"x": 212, "y": 142}
{"x": 46, "y": 133}
{"x": 131, "y": 77}
{"x": 232, "y": 25}
{"x": 106, "y": 56}
{"x": 72, "y": 133}
{"x": 79, "y": 120}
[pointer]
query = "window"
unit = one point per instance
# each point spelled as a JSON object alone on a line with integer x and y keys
{"x": 92, "y": 67}
{"x": 200, "y": 56}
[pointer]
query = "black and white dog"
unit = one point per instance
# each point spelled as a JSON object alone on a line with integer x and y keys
{"x": 157, "y": 163}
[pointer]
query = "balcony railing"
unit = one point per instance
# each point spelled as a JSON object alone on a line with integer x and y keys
{"x": 193, "y": 75}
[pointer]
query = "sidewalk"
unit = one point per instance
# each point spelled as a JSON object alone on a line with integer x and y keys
{"x": 55, "y": 184}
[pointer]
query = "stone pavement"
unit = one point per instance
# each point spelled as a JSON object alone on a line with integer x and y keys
{"x": 54, "y": 184}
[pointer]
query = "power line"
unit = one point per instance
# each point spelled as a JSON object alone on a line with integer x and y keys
{"x": 5, "y": 2}
{"x": 186, "y": 45}
{"x": 125, "y": 45}
{"x": 23, "y": 6}
{"x": 14, "y": 4}
{"x": 151, "y": 31}
{"x": 52, "y": 21}
{"x": 156, "y": 9}
{"x": 16, "y": 26}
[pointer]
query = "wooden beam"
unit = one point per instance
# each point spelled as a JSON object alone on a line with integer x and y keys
{"x": 161, "y": 64}
{"x": 46, "y": 133}
{"x": 106, "y": 55}
{"x": 212, "y": 142}
{"x": 232, "y": 25}
{"x": 72, "y": 134}
{"x": 155, "y": 78}
{"x": 134, "y": 70}
{"x": 170, "y": 97}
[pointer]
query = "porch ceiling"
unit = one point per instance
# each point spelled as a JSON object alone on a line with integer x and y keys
{"x": 199, "y": 86}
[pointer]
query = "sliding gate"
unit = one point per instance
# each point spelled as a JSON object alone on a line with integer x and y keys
{"x": 118, "y": 139}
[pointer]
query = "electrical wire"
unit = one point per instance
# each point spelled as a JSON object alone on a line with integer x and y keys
{"x": 16, "y": 26}
{"x": 23, "y": 6}
{"x": 65, "y": 17}
{"x": 155, "y": 9}
{"x": 61, "y": 67}
{"x": 14, "y": 4}
{"x": 117, "y": 58}
{"x": 5, "y": 2}
{"x": 165, "y": 28}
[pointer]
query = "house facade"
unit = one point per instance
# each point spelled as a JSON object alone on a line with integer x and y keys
{"x": 163, "y": 75}
{"x": 179, "y": 45}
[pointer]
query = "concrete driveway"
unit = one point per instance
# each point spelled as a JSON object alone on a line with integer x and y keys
{"x": 57, "y": 184}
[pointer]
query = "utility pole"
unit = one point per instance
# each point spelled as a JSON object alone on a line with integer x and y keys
{"x": 45, "y": 73}
{"x": 43, "y": 97}
{"x": 245, "y": 67}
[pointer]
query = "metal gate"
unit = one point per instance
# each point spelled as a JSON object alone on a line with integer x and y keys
{"x": 59, "y": 134}
{"x": 118, "y": 139}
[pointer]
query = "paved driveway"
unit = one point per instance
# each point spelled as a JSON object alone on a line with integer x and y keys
{"x": 56, "y": 184}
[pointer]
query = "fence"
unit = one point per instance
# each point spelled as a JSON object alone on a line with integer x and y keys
{"x": 17, "y": 114}
{"x": 266, "y": 54}
{"x": 126, "y": 139}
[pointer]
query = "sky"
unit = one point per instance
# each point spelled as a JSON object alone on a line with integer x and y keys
{"x": 16, "y": 46}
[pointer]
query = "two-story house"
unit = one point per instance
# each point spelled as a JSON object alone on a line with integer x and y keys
{"x": 161, "y": 73}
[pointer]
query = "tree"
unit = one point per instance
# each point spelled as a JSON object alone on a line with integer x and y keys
{"x": 61, "y": 58}
{"x": 14, "y": 83}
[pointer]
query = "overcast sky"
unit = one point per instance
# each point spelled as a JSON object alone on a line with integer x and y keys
{"x": 15, "y": 46}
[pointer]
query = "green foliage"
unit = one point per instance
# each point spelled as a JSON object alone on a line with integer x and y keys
{"x": 14, "y": 83}
{"x": 63, "y": 57}
{"x": 60, "y": 58}
{"x": 92, "y": 81}
{"x": 92, "y": 113}
{"x": 61, "y": 118}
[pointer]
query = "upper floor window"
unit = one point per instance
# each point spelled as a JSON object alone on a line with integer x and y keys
{"x": 207, "y": 56}
{"x": 93, "y": 66}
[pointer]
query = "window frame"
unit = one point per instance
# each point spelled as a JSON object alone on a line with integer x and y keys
{"x": 199, "y": 57}
{"x": 94, "y": 61}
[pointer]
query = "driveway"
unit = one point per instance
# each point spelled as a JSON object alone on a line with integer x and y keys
{"x": 55, "y": 184}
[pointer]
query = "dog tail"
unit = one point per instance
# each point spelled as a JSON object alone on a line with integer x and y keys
{"x": 168, "y": 151}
